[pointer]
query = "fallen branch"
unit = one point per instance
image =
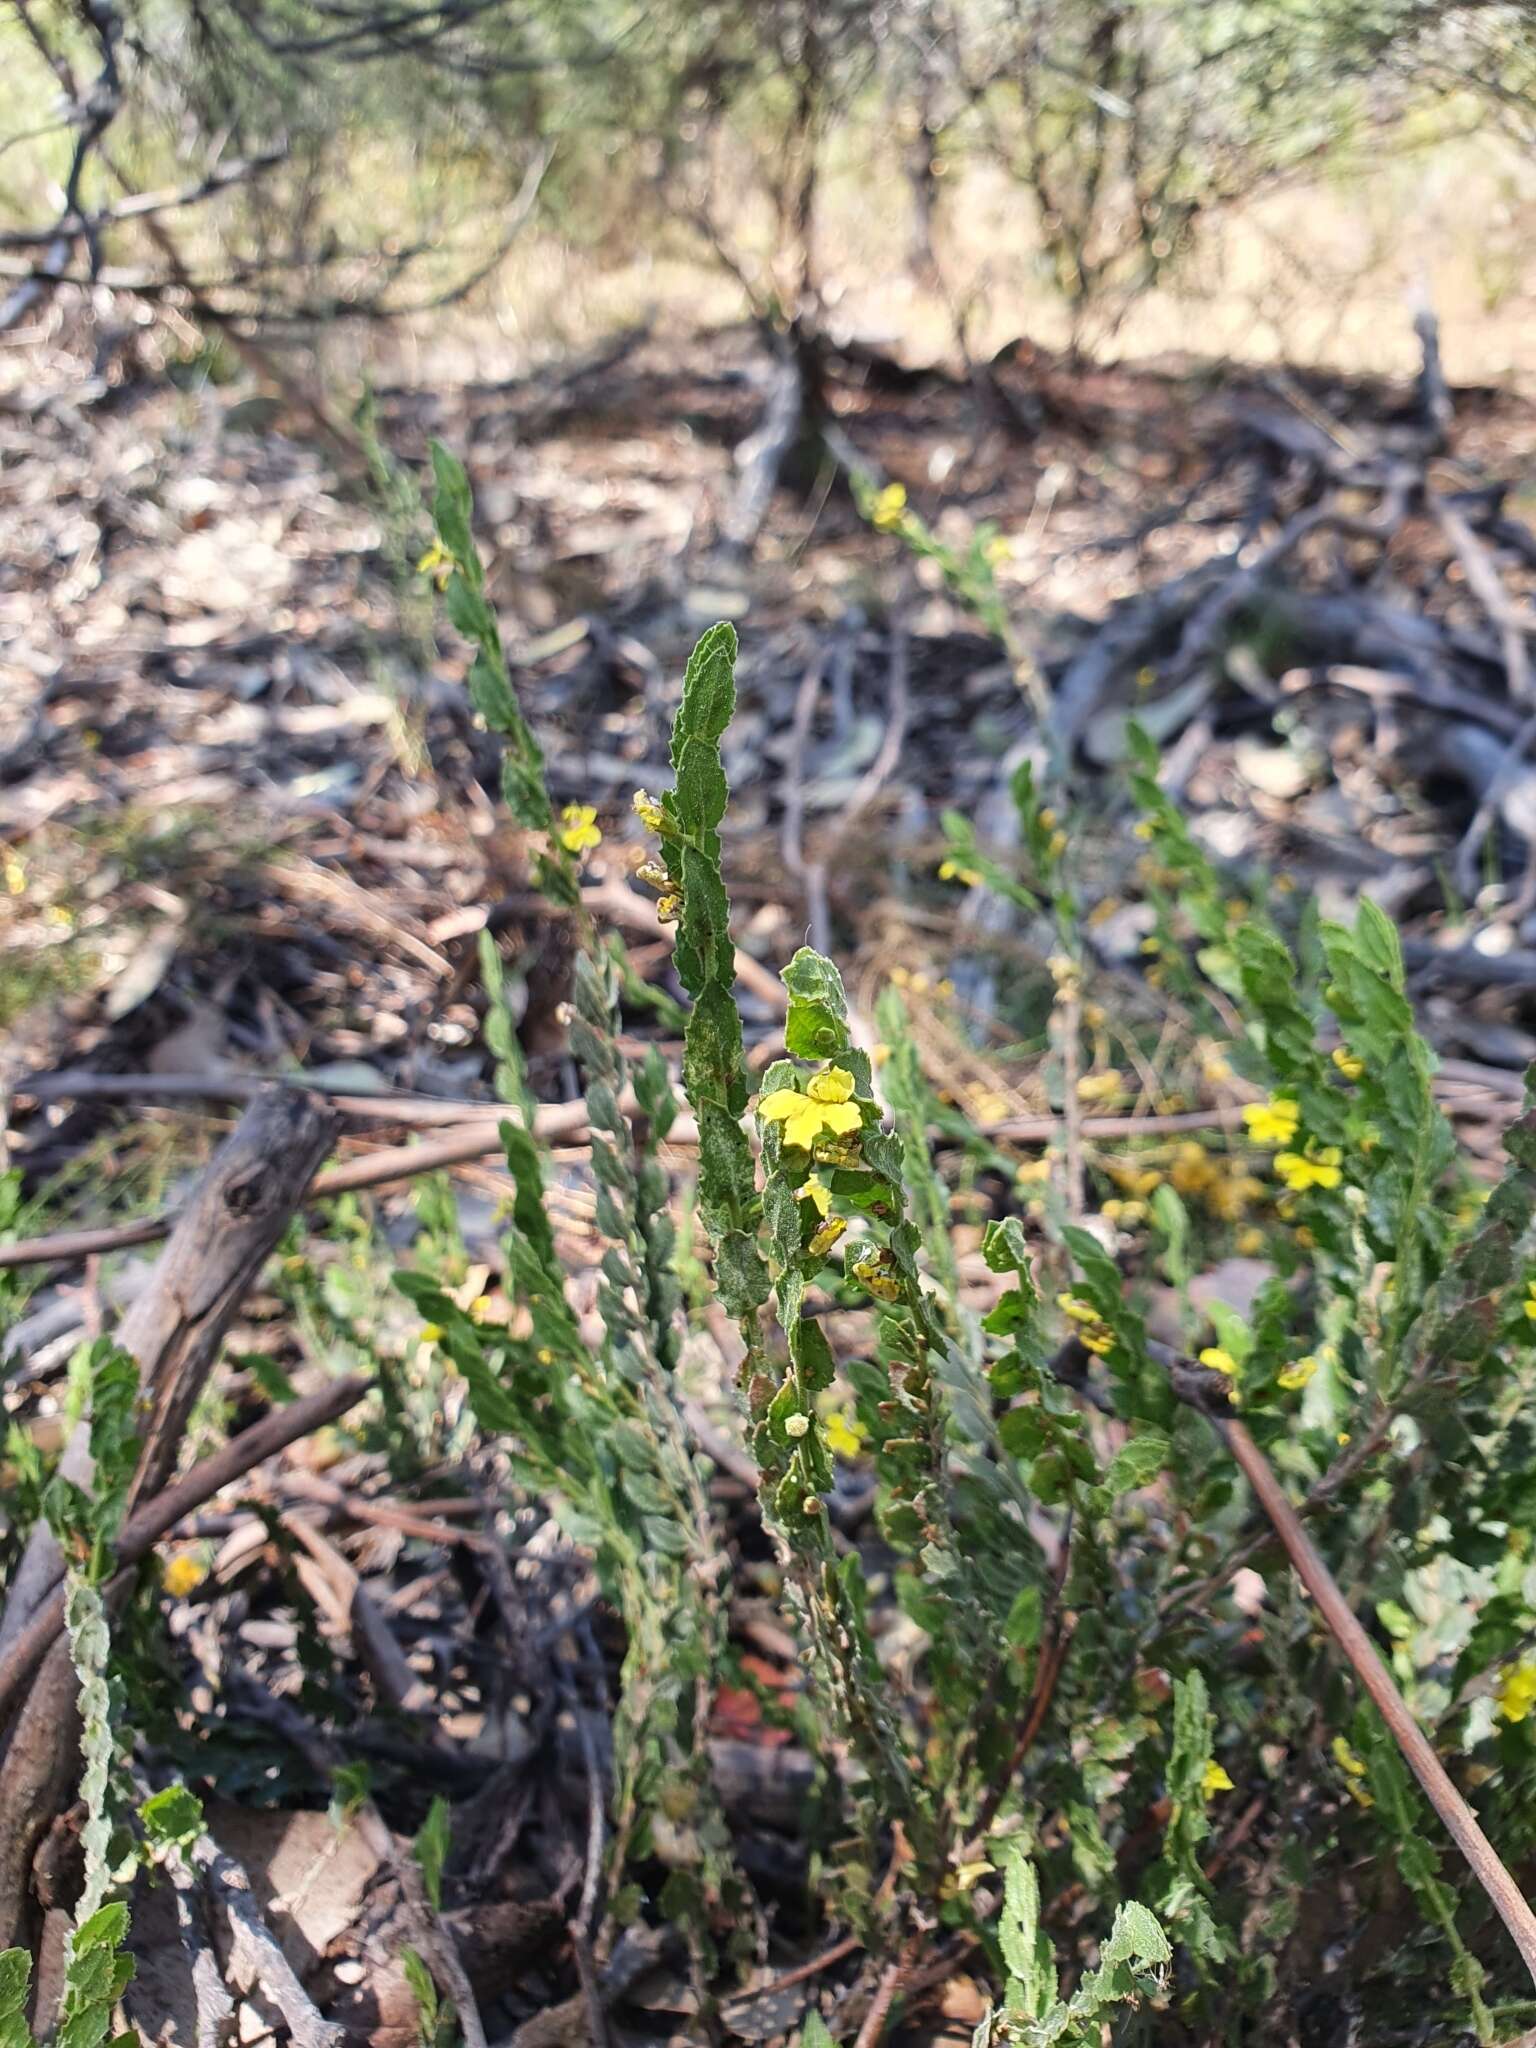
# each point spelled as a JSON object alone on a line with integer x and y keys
{"x": 173, "y": 1331}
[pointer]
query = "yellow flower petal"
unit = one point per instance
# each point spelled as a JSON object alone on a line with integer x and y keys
{"x": 835, "y": 1085}
{"x": 1274, "y": 1122}
{"x": 842, "y": 1435}
{"x": 1219, "y": 1360}
{"x": 1215, "y": 1780}
{"x": 889, "y": 508}
{"x": 182, "y": 1575}
{"x": 1516, "y": 1691}
{"x": 579, "y": 822}
{"x": 1294, "y": 1377}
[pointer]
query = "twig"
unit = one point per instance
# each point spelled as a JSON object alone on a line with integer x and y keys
{"x": 848, "y": 1946}
{"x": 1052, "y": 1659}
{"x": 374, "y": 1169}
{"x": 1066, "y": 1024}
{"x": 592, "y": 1874}
{"x": 1207, "y": 1392}
{"x": 159, "y": 1516}
{"x": 256, "y": 1957}
{"x": 885, "y": 1997}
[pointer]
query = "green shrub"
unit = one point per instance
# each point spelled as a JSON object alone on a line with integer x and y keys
{"x": 1079, "y": 1706}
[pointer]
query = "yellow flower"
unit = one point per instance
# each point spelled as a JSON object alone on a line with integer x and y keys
{"x": 15, "y": 875}
{"x": 842, "y": 1434}
{"x": 1214, "y": 1780}
{"x": 1099, "y": 1087}
{"x": 1057, "y": 846}
{"x": 1346, "y": 1758}
{"x": 1143, "y": 829}
{"x": 815, "y": 1193}
{"x": 1529, "y": 1304}
{"x": 429, "y": 1333}
{"x": 1219, "y": 1360}
{"x": 669, "y": 908}
{"x": 1192, "y": 1171}
{"x": 436, "y": 563}
{"x": 648, "y": 811}
{"x": 873, "y": 1272}
{"x": 997, "y": 551}
{"x": 823, "y": 1107}
{"x": 1126, "y": 1214}
{"x": 1230, "y": 1199}
{"x": 889, "y": 510}
{"x": 1032, "y": 1170}
{"x": 1299, "y": 1171}
{"x": 1078, "y": 1311}
{"x": 182, "y": 1574}
{"x": 1092, "y": 1332}
{"x": 1145, "y": 678}
{"x": 1273, "y": 1122}
{"x": 654, "y": 876}
{"x": 832, "y": 1084}
{"x": 827, "y": 1236}
{"x": 1516, "y": 1690}
{"x": 1249, "y": 1242}
{"x": 954, "y": 871}
{"x": 579, "y": 828}
{"x": 1294, "y": 1377}
{"x": 1346, "y": 1062}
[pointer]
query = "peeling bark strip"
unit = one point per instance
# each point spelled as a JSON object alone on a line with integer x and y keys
{"x": 251, "y": 1188}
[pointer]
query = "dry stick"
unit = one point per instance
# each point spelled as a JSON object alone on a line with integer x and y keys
{"x": 848, "y": 1946}
{"x": 159, "y": 1516}
{"x": 885, "y": 1996}
{"x": 76, "y": 1085}
{"x": 1508, "y": 1900}
{"x": 1051, "y": 1660}
{"x": 395, "y": 1162}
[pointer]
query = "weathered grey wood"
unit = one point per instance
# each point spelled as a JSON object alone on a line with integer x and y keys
{"x": 174, "y": 1330}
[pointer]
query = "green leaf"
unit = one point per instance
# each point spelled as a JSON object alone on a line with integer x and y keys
{"x": 172, "y": 1817}
{"x": 1137, "y": 1461}
{"x": 424, "y": 1991}
{"x": 268, "y": 1375}
{"x": 1026, "y": 1951}
{"x": 15, "y": 1979}
{"x": 107, "y": 1927}
{"x": 431, "y": 1849}
{"x": 351, "y": 1784}
{"x": 709, "y": 694}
